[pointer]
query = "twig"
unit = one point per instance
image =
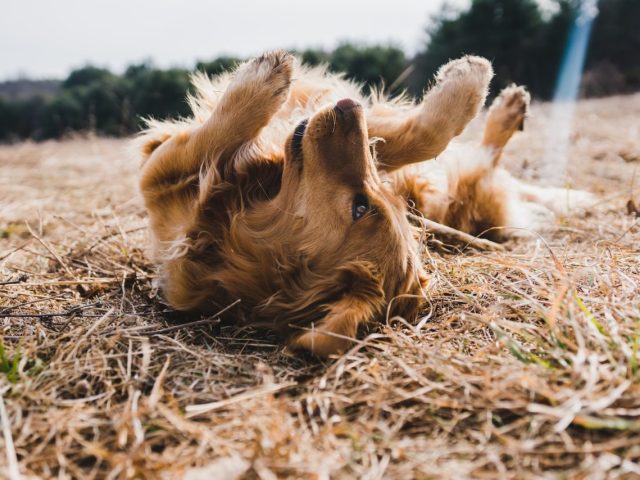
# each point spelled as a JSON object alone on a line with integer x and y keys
{"x": 46, "y": 315}
{"x": 20, "y": 279}
{"x": 636, "y": 221}
{"x": 14, "y": 250}
{"x": 456, "y": 237}
{"x": 45, "y": 245}
{"x": 60, "y": 283}
{"x": 24, "y": 304}
{"x": 194, "y": 410}
{"x": 70, "y": 312}
{"x": 163, "y": 331}
{"x": 105, "y": 237}
{"x": 401, "y": 78}
{"x": 205, "y": 321}
{"x": 156, "y": 391}
{"x": 12, "y": 459}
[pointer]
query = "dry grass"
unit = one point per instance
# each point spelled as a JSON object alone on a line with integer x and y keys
{"x": 525, "y": 365}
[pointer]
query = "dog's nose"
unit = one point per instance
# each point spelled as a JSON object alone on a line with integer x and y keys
{"x": 347, "y": 104}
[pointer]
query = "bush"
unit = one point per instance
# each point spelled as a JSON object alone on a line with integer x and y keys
{"x": 374, "y": 66}
{"x": 156, "y": 93}
{"x": 526, "y": 46}
{"x": 508, "y": 32}
{"x": 218, "y": 66}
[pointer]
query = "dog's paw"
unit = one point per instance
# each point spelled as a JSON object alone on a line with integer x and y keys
{"x": 460, "y": 91}
{"x": 510, "y": 108}
{"x": 561, "y": 201}
{"x": 574, "y": 202}
{"x": 469, "y": 75}
{"x": 273, "y": 70}
{"x": 469, "y": 67}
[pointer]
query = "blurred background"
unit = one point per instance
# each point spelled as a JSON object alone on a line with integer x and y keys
{"x": 75, "y": 66}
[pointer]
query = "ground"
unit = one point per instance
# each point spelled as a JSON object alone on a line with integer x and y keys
{"x": 525, "y": 364}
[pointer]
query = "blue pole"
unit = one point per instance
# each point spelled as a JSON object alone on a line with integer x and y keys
{"x": 554, "y": 166}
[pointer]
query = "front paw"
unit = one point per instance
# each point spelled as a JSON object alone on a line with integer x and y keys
{"x": 272, "y": 71}
{"x": 465, "y": 82}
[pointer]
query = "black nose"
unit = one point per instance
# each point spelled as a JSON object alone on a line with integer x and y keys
{"x": 346, "y": 104}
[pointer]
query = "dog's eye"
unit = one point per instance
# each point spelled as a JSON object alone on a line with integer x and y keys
{"x": 360, "y": 206}
{"x": 298, "y": 134}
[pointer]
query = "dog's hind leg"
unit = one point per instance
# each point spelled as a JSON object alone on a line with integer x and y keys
{"x": 422, "y": 132}
{"x": 506, "y": 116}
{"x": 477, "y": 196}
{"x": 482, "y": 196}
{"x": 257, "y": 91}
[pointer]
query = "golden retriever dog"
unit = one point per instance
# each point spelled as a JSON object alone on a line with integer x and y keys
{"x": 290, "y": 190}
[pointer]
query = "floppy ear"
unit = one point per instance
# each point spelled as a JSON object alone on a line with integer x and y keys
{"x": 362, "y": 299}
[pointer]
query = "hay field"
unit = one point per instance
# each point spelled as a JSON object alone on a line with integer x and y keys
{"x": 525, "y": 365}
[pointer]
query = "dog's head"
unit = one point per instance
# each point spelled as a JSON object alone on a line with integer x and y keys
{"x": 358, "y": 250}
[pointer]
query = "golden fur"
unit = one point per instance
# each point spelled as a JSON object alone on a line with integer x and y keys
{"x": 243, "y": 204}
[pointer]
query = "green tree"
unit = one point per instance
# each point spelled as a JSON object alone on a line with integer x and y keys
{"x": 505, "y": 31}
{"x": 64, "y": 113}
{"x": 157, "y": 93}
{"x": 84, "y": 76}
{"x": 218, "y": 65}
{"x": 547, "y": 52}
{"x": 28, "y": 117}
{"x": 615, "y": 43}
{"x": 91, "y": 99}
{"x": 372, "y": 65}
{"x": 7, "y": 120}
{"x": 314, "y": 57}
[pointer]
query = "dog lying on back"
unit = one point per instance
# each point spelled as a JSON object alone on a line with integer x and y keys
{"x": 289, "y": 190}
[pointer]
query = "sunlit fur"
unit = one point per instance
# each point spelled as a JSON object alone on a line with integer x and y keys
{"x": 236, "y": 213}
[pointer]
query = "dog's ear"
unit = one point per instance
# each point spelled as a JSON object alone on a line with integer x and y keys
{"x": 361, "y": 298}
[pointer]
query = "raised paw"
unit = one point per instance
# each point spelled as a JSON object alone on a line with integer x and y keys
{"x": 474, "y": 71}
{"x": 510, "y": 109}
{"x": 467, "y": 78}
{"x": 270, "y": 72}
{"x": 459, "y": 93}
{"x": 505, "y": 117}
{"x": 257, "y": 91}
{"x": 424, "y": 132}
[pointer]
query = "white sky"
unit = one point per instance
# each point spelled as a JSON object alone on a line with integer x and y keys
{"x": 47, "y": 38}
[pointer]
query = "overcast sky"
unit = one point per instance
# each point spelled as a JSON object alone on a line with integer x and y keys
{"x": 47, "y": 38}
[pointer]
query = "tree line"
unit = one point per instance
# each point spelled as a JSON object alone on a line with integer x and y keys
{"x": 524, "y": 41}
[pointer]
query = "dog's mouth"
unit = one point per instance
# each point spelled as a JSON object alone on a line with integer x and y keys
{"x": 333, "y": 144}
{"x": 345, "y": 118}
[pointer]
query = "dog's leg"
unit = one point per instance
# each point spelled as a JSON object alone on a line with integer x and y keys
{"x": 337, "y": 331}
{"x": 421, "y": 133}
{"x": 477, "y": 197}
{"x": 506, "y": 116}
{"x": 257, "y": 91}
